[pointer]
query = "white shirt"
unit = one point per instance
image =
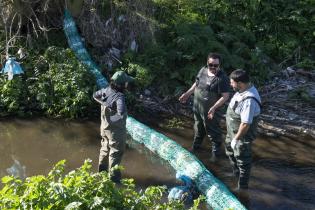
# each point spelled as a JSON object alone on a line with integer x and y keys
{"x": 249, "y": 108}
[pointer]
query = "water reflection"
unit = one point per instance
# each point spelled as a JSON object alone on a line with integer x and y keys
{"x": 17, "y": 169}
{"x": 32, "y": 147}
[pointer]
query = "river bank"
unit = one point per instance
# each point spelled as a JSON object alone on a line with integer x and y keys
{"x": 288, "y": 105}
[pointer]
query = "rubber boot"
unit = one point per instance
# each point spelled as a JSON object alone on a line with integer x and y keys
{"x": 102, "y": 167}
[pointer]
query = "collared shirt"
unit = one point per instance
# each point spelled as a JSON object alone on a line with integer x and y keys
{"x": 248, "y": 108}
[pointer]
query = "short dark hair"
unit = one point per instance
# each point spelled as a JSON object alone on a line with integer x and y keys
{"x": 239, "y": 75}
{"x": 214, "y": 56}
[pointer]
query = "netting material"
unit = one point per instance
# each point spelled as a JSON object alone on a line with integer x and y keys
{"x": 218, "y": 196}
{"x": 75, "y": 42}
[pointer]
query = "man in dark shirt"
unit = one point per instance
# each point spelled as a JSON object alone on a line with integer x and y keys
{"x": 113, "y": 123}
{"x": 211, "y": 91}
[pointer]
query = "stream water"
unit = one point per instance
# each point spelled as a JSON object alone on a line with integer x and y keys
{"x": 282, "y": 176}
{"x": 283, "y": 172}
{"x": 32, "y": 147}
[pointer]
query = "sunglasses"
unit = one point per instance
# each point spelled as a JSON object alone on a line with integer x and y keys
{"x": 211, "y": 65}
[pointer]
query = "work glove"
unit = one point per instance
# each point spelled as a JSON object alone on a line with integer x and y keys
{"x": 234, "y": 143}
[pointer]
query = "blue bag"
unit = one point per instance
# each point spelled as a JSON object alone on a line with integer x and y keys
{"x": 12, "y": 67}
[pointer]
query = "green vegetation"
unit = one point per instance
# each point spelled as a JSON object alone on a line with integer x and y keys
{"x": 55, "y": 84}
{"x": 302, "y": 94}
{"x": 174, "y": 122}
{"x": 254, "y": 35}
{"x": 80, "y": 189}
{"x": 174, "y": 38}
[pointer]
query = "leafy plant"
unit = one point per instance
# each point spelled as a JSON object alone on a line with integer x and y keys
{"x": 62, "y": 86}
{"x": 54, "y": 83}
{"x": 306, "y": 64}
{"x": 13, "y": 99}
{"x": 80, "y": 189}
{"x": 143, "y": 76}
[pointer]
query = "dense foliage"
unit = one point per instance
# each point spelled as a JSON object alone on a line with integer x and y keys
{"x": 259, "y": 36}
{"x": 80, "y": 189}
{"x": 173, "y": 37}
{"x": 55, "y": 84}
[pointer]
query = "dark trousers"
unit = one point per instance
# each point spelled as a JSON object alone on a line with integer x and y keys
{"x": 241, "y": 159}
{"x": 204, "y": 126}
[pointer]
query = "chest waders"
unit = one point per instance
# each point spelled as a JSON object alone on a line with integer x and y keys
{"x": 204, "y": 99}
{"x": 241, "y": 156}
{"x": 113, "y": 143}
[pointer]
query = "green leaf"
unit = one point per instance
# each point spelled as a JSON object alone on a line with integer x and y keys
{"x": 73, "y": 205}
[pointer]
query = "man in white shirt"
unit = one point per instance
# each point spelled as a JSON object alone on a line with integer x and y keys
{"x": 241, "y": 121}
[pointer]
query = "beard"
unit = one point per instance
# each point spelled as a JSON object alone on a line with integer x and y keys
{"x": 213, "y": 70}
{"x": 236, "y": 89}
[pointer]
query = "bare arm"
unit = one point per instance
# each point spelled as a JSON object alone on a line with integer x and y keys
{"x": 184, "y": 97}
{"x": 219, "y": 103}
{"x": 242, "y": 130}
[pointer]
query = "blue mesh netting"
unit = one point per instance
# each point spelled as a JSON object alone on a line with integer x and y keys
{"x": 218, "y": 196}
{"x": 75, "y": 42}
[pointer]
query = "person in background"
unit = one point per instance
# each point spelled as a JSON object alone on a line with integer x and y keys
{"x": 241, "y": 122}
{"x": 113, "y": 123}
{"x": 211, "y": 91}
